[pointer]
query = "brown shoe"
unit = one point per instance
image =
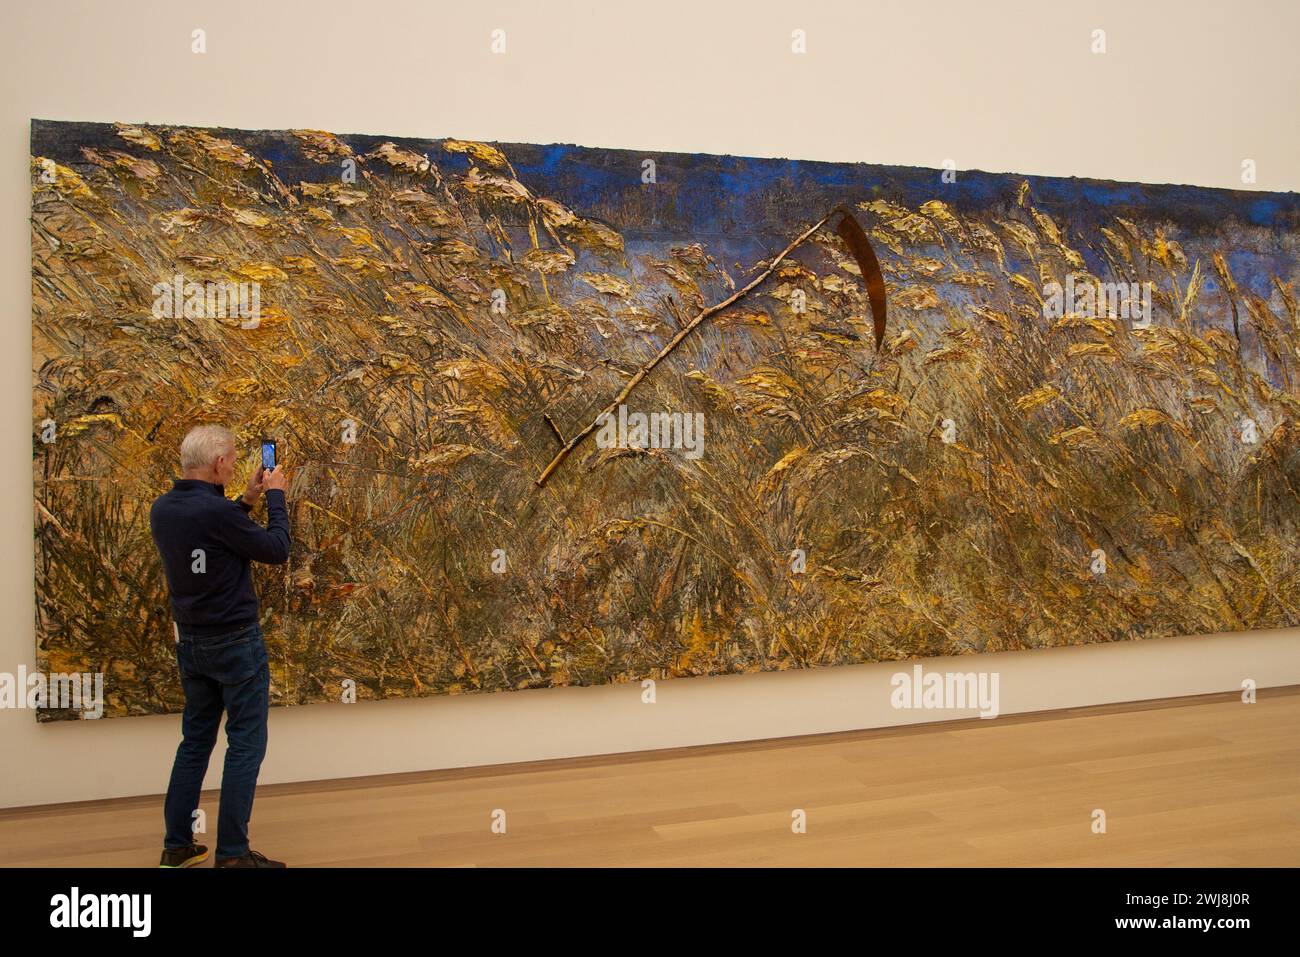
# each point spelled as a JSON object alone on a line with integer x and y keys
{"x": 183, "y": 856}
{"x": 251, "y": 859}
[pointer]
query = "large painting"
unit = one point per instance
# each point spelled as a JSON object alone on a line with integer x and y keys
{"x": 571, "y": 416}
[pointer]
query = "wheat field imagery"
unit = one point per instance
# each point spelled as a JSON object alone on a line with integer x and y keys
{"x": 433, "y": 320}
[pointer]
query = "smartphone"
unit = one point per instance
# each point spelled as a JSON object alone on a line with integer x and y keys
{"x": 268, "y": 453}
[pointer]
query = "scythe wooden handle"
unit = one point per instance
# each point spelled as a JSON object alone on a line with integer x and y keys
{"x": 870, "y": 274}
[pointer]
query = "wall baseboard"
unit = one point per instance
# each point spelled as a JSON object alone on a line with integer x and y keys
{"x": 90, "y": 760}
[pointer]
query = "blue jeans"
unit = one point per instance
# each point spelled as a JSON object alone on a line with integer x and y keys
{"x": 225, "y": 672}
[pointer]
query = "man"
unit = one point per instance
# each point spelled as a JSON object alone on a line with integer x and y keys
{"x": 207, "y": 542}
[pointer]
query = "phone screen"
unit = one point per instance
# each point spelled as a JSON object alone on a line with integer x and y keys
{"x": 268, "y": 453}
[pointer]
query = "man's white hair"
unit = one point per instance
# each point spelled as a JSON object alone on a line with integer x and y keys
{"x": 203, "y": 443}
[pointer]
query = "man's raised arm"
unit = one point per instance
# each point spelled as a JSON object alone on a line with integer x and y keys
{"x": 247, "y": 539}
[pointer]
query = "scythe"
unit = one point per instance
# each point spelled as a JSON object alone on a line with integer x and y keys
{"x": 847, "y": 229}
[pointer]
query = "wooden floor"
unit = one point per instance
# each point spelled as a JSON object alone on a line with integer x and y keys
{"x": 1187, "y": 781}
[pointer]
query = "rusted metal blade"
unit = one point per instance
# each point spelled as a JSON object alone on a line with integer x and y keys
{"x": 851, "y": 232}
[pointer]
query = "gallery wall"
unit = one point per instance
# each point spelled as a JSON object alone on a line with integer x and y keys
{"x": 1183, "y": 93}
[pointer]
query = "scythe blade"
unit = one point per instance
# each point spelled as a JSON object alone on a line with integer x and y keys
{"x": 854, "y": 237}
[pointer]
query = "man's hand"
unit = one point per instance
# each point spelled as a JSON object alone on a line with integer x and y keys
{"x": 275, "y": 478}
{"x": 256, "y": 485}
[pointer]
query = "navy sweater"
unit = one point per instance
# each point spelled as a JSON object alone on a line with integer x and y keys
{"x": 212, "y": 592}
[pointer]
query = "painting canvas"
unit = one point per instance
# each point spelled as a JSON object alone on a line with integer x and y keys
{"x": 857, "y": 413}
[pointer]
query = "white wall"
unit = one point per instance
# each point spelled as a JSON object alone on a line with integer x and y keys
{"x": 1186, "y": 91}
